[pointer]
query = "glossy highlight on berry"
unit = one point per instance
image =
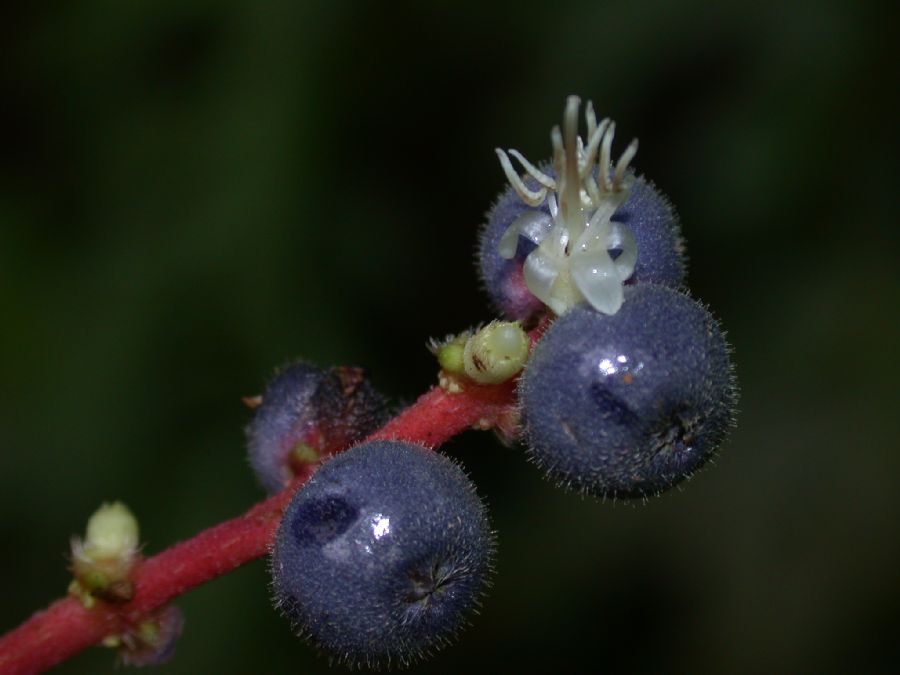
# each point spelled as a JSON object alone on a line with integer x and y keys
{"x": 629, "y": 405}
{"x": 382, "y": 555}
{"x": 619, "y": 383}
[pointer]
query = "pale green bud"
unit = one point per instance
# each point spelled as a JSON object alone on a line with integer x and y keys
{"x": 496, "y": 353}
{"x": 112, "y": 532}
{"x": 103, "y": 561}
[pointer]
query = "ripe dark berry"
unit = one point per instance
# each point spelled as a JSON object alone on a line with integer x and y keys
{"x": 573, "y": 231}
{"x": 652, "y": 218}
{"x": 382, "y": 554}
{"x": 307, "y": 413}
{"x": 630, "y": 404}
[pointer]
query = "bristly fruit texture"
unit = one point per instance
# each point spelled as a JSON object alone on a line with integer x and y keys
{"x": 382, "y": 554}
{"x": 568, "y": 233}
{"x": 629, "y": 405}
{"x": 617, "y": 380}
{"x": 307, "y": 413}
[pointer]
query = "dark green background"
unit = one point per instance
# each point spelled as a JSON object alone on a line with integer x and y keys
{"x": 192, "y": 193}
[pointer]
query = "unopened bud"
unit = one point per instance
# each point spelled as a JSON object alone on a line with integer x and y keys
{"x": 496, "y": 353}
{"x": 102, "y": 562}
{"x": 111, "y": 532}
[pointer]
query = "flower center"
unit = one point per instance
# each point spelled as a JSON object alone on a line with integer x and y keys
{"x": 581, "y": 255}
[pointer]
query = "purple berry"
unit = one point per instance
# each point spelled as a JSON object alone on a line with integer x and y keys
{"x": 630, "y": 404}
{"x": 651, "y": 217}
{"x": 307, "y": 413}
{"x": 382, "y": 554}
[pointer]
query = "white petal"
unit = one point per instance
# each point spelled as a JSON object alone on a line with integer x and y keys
{"x": 533, "y": 225}
{"x": 595, "y": 235}
{"x": 595, "y": 275}
{"x": 622, "y": 237}
{"x": 540, "y": 271}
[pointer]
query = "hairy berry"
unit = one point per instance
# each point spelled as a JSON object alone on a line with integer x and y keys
{"x": 382, "y": 554}
{"x": 306, "y": 413}
{"x": 630, "y": 404}
{"x": 572, "y": 232}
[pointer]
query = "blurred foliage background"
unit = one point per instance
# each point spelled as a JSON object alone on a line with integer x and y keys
{"x": 192, "y": 193}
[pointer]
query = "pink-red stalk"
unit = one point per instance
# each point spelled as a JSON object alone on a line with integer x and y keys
{"x": 65, "y": 628}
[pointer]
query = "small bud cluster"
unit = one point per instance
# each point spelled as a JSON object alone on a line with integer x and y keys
{"x": 102, "y": 562}
{"x": 491, "y": 355}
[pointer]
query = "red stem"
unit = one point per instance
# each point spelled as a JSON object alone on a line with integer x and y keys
{"x": 438, "y": 416}
{"x": 66, "y": 627}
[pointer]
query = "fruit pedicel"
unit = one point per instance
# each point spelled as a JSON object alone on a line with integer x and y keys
{"x": 616, "y": 381}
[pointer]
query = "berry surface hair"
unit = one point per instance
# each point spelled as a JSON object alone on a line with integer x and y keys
{"x": 629, "y": 405}
{"x": 66, "y": 627}
{"x": 307, "y": 413}
{"x": 627, "y": 389}
{"x": 382, "y": 555}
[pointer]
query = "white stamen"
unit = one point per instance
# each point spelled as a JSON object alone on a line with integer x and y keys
{"x": 606, "y": 146}
{"x": 569, "y": 185}
{"x": 622, "y": 164}
{"x": 551, "y": 204}
{"x": 590, "y": 118}
{"x": 590, "y": 153}
{"x": 533, "y": 171}
{"x": 592, "y": 190}
{"x": 530, "y": 197}
{"x": 572, "y": 262}
{"x": 559, "y": 154}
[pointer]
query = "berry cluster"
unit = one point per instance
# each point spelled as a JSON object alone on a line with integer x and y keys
{"x": 619, "y": 384}
{"x": 631, "y": 389}
{"x": 627, "y": 392}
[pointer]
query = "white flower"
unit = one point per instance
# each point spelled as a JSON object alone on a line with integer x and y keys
{"x": 572, "y": 262}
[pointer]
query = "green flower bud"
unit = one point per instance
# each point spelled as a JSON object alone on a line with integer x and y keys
{"x": 111, "y": 532}
{"x": 102, "y": 562}
{"x": 496, "y": 353}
